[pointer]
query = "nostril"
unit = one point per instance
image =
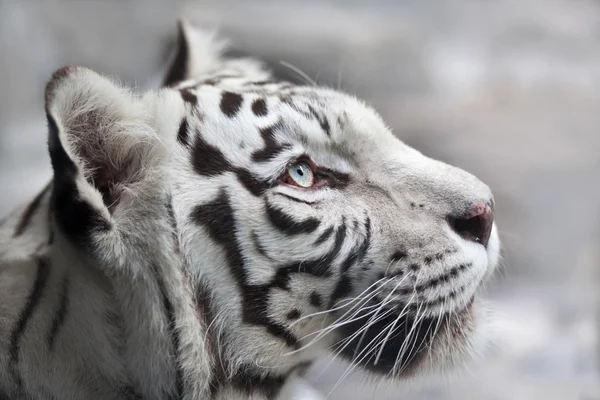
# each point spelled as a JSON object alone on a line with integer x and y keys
{"x": 476, "y": 226}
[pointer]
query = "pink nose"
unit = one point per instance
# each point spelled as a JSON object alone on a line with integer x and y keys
{"x": 476, "y": 225}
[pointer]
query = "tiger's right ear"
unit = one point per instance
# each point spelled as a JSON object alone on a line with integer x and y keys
{"x": 198, "y": 52}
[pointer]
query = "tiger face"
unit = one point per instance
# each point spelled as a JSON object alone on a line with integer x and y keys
{"x": 322, "y": 227}
{"x": 303, "y": 224}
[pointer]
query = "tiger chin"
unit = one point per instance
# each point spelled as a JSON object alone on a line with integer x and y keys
{"x": 212, "y": 239}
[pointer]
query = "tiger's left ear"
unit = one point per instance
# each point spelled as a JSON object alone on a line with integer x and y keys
{"x": 109, "y": 149}
{"x": 198, "y": 52}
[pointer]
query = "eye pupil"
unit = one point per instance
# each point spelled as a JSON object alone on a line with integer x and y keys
{"x": 301, "y": 175}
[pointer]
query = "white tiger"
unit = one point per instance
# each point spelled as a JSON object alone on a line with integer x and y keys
{"x": 211, "y": 239}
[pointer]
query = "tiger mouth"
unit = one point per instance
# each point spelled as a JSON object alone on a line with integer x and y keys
{"x": 394, "y": 343}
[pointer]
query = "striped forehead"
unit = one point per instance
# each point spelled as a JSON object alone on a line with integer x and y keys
{"x": 331, "y": 127}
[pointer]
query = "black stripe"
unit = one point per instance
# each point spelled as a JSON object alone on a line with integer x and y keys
{"x": 279, "y": 331}
{"x": 310, "y": 203}
{"x": 189, "y": 97}
{"x": 258, "y": 245}
{"x": 335, "y": 179}
{"x": 231, "y": 103}
{"x": 287, "y": 224}
{"x": 178, "y": 70}
{"x": 287, "y": 99}
{"x": 174, "y": 333}
{"x": 50, "y": 226}
{"x": 310, "y": 114}
{"x": 33, "y": 300}
{"x": 250, "y": 182}
{"x": 320, "y": 266}
{"x": 316, "y": 299}
{"x": 259, "y": 107}
{"x": 218, "y": 218}
{"x": 30, "y": 211}
{"x": 358, "y": 253}
{"x": 293, "y": 314}
{"x": 183, "y": 134}
{"x": 76, "y": 218}
{"x": 208, "y": 160}
{"x": 60, "y": 314}
{"x": 250, "y": 382}
{"x": 255, "y": 311}
{"x": 324, "y": 236}
{"x": 272, "y": 149}
{"x": 398, "y": 255}
{"x": 342, "y": 288}
{"x": 322, "y": 119}
{"x": 423, "y": 304}
{"x": 444, "y": 278}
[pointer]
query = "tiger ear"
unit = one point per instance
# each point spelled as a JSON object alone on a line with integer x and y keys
{"x": 107, "y": 146}
{"x": 198, "y": 52}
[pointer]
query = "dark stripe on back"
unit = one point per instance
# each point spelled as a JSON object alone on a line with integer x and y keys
{"x": 272, "y": 149}
{"x": 60, "y": 313}
{"x": 30, "y": 211}
{"x": 33, "y": 300}
{"x": 183, "y": 134}
{"x": 259, "y": 107}
{"x": 178, "y": 70}
{"x": 207, "y": 159}
{"x": 231, "y": 103}
{"x": 287, "y": 224}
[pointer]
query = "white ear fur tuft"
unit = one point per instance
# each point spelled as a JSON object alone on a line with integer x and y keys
{"x": 198, "y": 52}
{"x": 110, "y": 135}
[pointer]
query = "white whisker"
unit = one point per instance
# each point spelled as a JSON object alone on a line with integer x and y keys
{"x": 299, "y": 72}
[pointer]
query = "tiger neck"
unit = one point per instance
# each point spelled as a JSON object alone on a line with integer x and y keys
{"x": 163, "y": 333}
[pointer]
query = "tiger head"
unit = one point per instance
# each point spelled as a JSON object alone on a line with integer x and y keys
{"x": 302, "y": 224}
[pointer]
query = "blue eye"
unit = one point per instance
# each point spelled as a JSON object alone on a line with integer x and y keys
{"x": 300, "y": 174}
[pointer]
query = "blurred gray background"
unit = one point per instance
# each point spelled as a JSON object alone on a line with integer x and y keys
{"x": 509, "y": 90}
